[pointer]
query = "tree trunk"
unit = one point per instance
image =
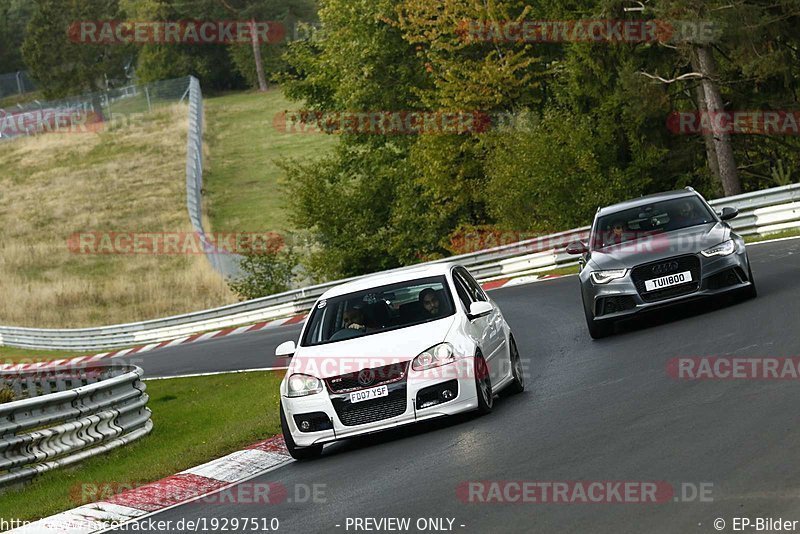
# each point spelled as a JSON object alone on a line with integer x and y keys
{"x": 708, "y": 137}
{"x": 728, "y": 173}
{"x": 262, "y": 80}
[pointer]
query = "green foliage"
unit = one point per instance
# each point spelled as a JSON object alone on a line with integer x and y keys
{"x": 347, "y": 201}
{"x": 63, "y": 67}
{"x": 14, "y": 15}
{"x": 209, "y": 63}
{"x": 6, "y": 395}
{"x": 555, "y": 175}
{"x": 266, "y": 272}
{"x": 287, "y": 13}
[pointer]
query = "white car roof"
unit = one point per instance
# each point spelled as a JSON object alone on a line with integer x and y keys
{"x": 389, "y": 277}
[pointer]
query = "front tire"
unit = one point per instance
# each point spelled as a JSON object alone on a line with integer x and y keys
{"x": 483, "y": 385}
{"x": 751, "y": 292}
{"x": 518, "y": 383}
{"x": 298, "y": 453}
{"x": 597, "y": 329}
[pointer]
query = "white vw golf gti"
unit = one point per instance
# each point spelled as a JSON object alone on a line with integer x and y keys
{"x": 392, "y": 349}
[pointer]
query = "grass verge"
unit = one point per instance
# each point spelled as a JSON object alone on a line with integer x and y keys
{"x": 244, "y": 185}
{"x": 195, "y": 420}
{"x": 128, "y": 180}
{"x": 15, "y": 355}
{"x": 792, "y": 232}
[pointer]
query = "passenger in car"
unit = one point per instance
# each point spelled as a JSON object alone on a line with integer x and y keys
{"x": 430, "y": 302}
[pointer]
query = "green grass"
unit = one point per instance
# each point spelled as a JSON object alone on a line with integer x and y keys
{"x": 243, "y": 183}
{"x": 792, "y": 232}
{"x": 561, "y": 271}
{"x": 195, "y": 420}
{"x": 12, "y": 100}
{"x": 15, "y": 355}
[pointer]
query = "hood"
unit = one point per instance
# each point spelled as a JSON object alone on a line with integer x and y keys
{"x": 374, "y": 350}
{"x": 660, "y": 246}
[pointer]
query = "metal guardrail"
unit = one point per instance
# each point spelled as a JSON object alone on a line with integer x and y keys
{"x": 66, "y": 414}
{"x": 765, "y": 211}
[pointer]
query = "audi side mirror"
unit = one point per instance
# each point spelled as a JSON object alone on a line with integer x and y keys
{"x": 577, "y": 247}
{"x": 728, "y": 214}
{"x": 285, "y": 349}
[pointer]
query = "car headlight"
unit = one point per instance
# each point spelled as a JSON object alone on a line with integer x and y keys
{"x": 725, "y": 248}
{"x": 301, "y": 385}
{"x": 604, "y": 277}
{"x": 440, "y": 354}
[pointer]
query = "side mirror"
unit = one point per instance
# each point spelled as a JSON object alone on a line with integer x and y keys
{"x": 577, "y": 247}
{"x": 285, "y": 349}
{"x": 728, "y": 214}
{"x": 479, "y": 309}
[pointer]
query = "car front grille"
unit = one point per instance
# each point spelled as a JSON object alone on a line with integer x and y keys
{"x": 361, "y": 413}
{"x": 642, "y": 273}
{"x": 385, "y": 374}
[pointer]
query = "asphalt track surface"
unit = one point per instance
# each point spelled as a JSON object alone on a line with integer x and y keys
{"x": 593, "y": 411}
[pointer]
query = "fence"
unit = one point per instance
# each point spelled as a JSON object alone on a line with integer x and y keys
{"x": 761, "y": 212}
{"x": 15, "y": 83}
{"x": 90, "y": 111}
{"x": 120, "y": 107}
{"x": 66, "y": 414}
{"x": 226, "y": 264}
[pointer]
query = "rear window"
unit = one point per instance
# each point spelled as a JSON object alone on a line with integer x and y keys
{"x": 649, "y": 219}
{"x": 379, "y": 309}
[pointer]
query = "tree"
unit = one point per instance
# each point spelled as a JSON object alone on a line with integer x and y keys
{"x": 64, "y": 67}
{"x": 265, "y": 272}
{"x": 250, "y": 61}
{"x": 14, "y": 15}
{"x": 209, "y": 63}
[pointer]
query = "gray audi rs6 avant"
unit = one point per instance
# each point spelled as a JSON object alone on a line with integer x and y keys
{"x": 656, "y": 251}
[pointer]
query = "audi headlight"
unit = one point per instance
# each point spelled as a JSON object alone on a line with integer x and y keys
{"x": 604, "y": 277}
{"x": 725, "y": 248}
{"x": 301, "y": 385}
{"x": 440, "y": 354}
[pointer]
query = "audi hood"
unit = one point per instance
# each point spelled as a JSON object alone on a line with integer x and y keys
{"x": 660, "y": 246}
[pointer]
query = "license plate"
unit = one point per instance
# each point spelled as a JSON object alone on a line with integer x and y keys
{"x": 369, "y": 394}
{"x": 668, "y": 281}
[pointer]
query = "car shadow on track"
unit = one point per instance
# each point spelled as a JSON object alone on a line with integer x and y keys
{"x": 350, "y": 445}
{"x": 677, "y": 312}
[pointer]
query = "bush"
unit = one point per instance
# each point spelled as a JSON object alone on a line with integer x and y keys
{"x": 266, "y": 273}
{"x": 6, "y": 395}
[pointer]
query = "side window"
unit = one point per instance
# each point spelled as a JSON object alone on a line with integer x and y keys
{"x": 475, "y": 291}
{"x": 461, "y": 289}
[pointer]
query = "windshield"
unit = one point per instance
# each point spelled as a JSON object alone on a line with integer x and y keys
{"x": 379, "y": 309}
{"x": 649, "y": 219}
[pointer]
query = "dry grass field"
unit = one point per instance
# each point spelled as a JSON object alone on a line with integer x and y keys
{"x": 127, "y": 180}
